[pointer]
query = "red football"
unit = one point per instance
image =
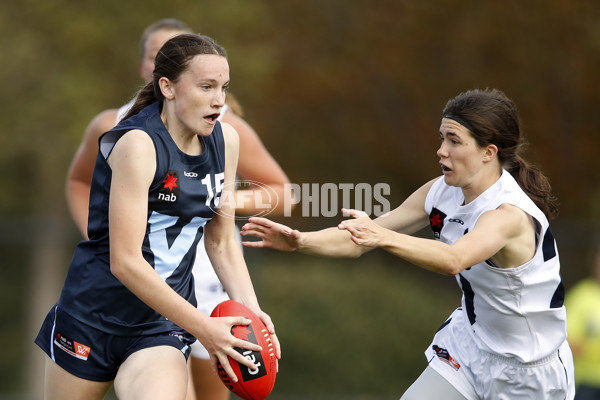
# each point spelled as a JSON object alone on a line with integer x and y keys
{"x": 251, "y": 384}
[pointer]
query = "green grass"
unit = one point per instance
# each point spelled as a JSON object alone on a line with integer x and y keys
{"x": 350, "y": 327}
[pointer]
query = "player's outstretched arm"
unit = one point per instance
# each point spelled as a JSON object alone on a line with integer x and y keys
{"x": 409, "y": 217}
{"x": 330, "y": 242}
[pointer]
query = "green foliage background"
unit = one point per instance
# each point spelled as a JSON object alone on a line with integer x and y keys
{"x": 340, "y": 91}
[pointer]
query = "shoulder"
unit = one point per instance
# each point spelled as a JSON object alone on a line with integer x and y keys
{"x": 511, "y": 212}
{"x": 106, "y": 115}
{"x": 133, "y": 164}
{"x": 431, "y": 191}
{"x": 427, "y": 186}
{"x": 105, "y": 120}
{"x": 237, "y": 122}
{"x": 437, "y": 185}
{"x": 102, "y": 122}
{"x": 230, "y": 136}
{"x": 122, "y": 111}
{"x": 134, "y": 144}
{"x": 133, "y": 159}
{"x": 509, "y": 219}
{"x": 509, "y": 191}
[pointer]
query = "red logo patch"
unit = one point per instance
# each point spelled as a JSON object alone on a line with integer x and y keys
{"x": 170, "y": 182}
{"x": 82, "y": 350}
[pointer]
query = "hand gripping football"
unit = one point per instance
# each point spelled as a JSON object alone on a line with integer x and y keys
{"x": 252, "y": 384}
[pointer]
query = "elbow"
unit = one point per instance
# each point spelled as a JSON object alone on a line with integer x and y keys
{"x": 451, "y": 266}
{"x": 451, "y": 271}
{"x": 355, "y": 254}
{"x": 119, "y": 268}
{"x": 357, "y": 251}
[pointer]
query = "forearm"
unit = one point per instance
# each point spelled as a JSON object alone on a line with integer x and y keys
{"x": 330, "y": 242}
{"x": 228, "y": 262}
{"x": 425, "y": 253}
{"x": 143, "y": 281}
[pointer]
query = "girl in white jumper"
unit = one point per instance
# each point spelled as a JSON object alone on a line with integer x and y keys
{"x": 489, "y": 214}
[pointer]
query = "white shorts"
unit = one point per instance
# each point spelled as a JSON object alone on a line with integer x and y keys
{"x": 478, "y": 374}
{"x": 209, "y": 290}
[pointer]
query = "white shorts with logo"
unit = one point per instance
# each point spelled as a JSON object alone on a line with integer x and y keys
{"x": 478, "y": 374}
{"x": 209, "y": 290}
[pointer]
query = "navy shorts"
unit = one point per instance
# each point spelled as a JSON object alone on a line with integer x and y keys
{"x": 95, "y": 355}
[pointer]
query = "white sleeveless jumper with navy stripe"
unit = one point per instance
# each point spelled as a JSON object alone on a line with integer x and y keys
{"x": 513, "y": 312}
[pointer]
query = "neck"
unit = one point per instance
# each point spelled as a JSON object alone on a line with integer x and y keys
{"x": 477, "y": 187}
{"x": 187, "y": 142}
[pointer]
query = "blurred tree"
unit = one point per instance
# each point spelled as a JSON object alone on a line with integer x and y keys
{"x": 339, "y": 90}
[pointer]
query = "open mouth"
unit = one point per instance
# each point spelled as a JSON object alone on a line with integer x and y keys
{"x": 444, "y": 168}
{"x": 212, "y": 117}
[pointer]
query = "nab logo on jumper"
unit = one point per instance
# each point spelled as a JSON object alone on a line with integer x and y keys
{"x": 170, "y": 190}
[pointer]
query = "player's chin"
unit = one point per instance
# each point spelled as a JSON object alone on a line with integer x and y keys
{"x": 206, "y": 127}
{"x": 450, "y": 181}
{"x": 205, "y": 130}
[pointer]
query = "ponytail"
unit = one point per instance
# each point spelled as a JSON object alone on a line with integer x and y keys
{"x": 146, "y": 96}
{"x": 171, "y": 61}
{"x": 536, "y": 185}
{"x": 492, "y": 118}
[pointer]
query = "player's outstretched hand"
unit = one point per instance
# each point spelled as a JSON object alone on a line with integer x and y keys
{"x": 216, "y": 337}
{"x": 272, "y": 234}
{"x": 364, "y": 231}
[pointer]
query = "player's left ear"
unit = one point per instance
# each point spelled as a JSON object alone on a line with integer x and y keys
{"x": 491, "y": 151}
{"x": 166, "y": 88}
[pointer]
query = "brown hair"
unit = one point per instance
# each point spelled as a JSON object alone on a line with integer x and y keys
{"x": 166, "y": 24}
{"x": 492, "y": 118}
{"x": 175, "y": 25}
{"x": 171, "y": 61}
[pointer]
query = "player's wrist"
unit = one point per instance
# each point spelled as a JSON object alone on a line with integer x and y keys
{"x": 301, "y": 244}
{"x": 387, "y": 240}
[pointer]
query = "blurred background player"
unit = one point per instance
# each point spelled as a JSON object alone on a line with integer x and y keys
{"x": 80, "y": 172}
{"x": 255, "y": 164}
{"x": 583, "y": 326}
